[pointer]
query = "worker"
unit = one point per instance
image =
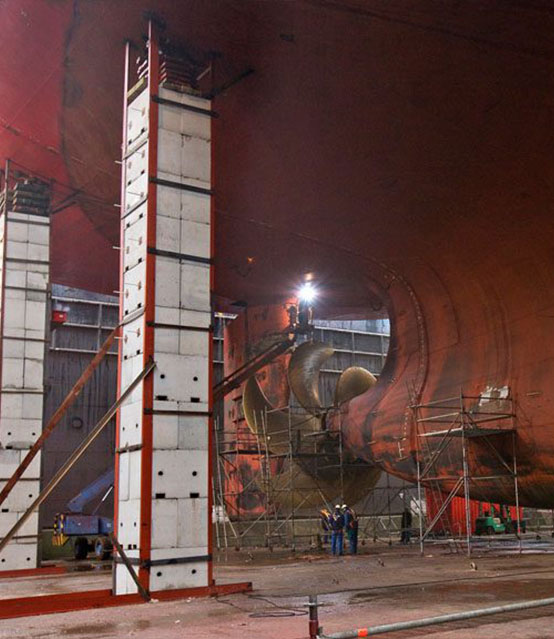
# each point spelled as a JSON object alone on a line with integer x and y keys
{"x": 337, "y": 531}
{"x": 406, "y": 526}
{"x": 351, "y": 527}
{"x": 325, "y": 520}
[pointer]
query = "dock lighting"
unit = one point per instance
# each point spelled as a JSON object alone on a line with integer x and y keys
{"x": 307, "y": 293}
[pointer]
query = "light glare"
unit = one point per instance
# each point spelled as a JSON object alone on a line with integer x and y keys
{"x": 307, "y": 293}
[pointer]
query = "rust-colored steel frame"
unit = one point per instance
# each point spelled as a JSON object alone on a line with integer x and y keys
{"x": 145, "y": 534}
{"x": 42, "y": 571}
{"x": 72, "y": 601}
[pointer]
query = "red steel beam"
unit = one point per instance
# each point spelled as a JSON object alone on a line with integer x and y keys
{"x": 43, "y": 571}
{"x": 145, "y": 533}
{"x": 86, "y": 600}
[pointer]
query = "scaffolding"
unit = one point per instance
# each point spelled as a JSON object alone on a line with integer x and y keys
{"x": 448, "y": 432}
{"x": 381, "y": 523}
{"x": 286, "y": 507}
{"x": 276, "y": 480}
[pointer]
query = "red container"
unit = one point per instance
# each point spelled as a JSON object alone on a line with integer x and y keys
{"x": 59, "y": 317}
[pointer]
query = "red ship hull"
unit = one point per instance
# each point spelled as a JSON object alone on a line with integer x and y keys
{"x": 402, "y": 154}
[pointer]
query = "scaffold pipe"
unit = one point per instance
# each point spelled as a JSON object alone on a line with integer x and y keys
{"x": 432, "y": 621}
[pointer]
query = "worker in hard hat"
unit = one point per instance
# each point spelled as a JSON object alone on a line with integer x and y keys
{"x": 351, "y": 527}
{"x": 337, "y": 531}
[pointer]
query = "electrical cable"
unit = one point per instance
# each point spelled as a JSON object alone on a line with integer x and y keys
{"x": 279, "y": 611}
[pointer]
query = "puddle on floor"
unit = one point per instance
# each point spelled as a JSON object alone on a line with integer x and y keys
{"x": 483, "y": 593}
{"x": 105, "y": 629}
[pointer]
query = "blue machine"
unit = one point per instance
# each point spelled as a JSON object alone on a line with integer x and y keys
{"x": 87, "y": 532}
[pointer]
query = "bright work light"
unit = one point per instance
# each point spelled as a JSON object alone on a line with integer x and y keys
{"x": 307, "y": 293}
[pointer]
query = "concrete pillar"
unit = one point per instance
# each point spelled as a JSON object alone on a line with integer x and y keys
{"x": 163, "y": 504}
{"x": 24, "y": 309}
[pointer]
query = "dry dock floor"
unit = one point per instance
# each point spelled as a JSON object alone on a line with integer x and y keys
{"x": 383, "y": 585}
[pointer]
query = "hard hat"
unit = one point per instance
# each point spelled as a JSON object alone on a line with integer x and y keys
{"x": 344, "y": 506}
{"x": 337, "y": 506}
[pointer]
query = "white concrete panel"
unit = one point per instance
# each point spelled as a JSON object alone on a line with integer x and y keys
{"x": 12, "y": 373}
{"x": 14, "y": 316}
{"x": 175, "y": 576}
{"x": 19, "y": 433}
{"x": 128, "y": 526}
{"x": 165, "y": 432}
{"x": 123, "y": 477}
{"x": 164, "y": 523}
{"x": 37, "y": 252}
{"x": 12, "y": 405}
{"x": 189, "y": 317}
{"x": 124, "y": 583}
{"x": 32, "y": 404}
{"x": 13, "y": 348}
{"x": 21, "y": 496}
{"x": 193, "y": 279}
{"x": 180, "y": 474}
{"x": 18, "y": 231}
{"x": 136, "y": 164}
{"x": 133, "y": 288}
{"x": 182, "y": 236}
{"x": 193, "y": 522}
{"x": 35, "y": 280}
{"x": 29, "y": 528}
{"x": 181, "y": 378}
{"x": 183, "y": 156}
{"x": 35, "y": 350}
{"x": 182, "y": 342}
{"x": 169, "y": 152}
{"x": 133, "y": 338}
{"x": 135, "y": 216}
{"x": 130, "y": 369}
{"x": 196, "y": 161}
{"x": 135, "y": 242}
{"x": 10, "y": 459}
{"x": 136, "y": 192}
{"x": 33, "y": 373}
{"x": 18, "y": 556}
{"x": 26, "y": 266}
{"x": 178, "y": 553}
{"x": 188, "y": 181}
{"x": 35, "y": 316}
{"x": 193, "y": 432}
{"x": 16, "y": 278}
{"x": 135, "y": 459}
{"x": 195, "y": 207}
{"x": 195, "y": 286}
{"x": 130, "y": 424}
{"x": 137, "y": 119}
{"x": 174, "y": 118}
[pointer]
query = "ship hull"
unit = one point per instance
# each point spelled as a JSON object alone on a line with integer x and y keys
{"x": 403, "y": 156}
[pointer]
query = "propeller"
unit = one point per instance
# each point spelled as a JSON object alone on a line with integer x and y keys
{"x": 303, "y": 373}
{"x": 274, "y": 424}
{"x": 313, "y": 466}
{"x": 352, "y": 382}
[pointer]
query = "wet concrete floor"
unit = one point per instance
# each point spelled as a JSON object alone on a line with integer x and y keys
{"x": 384, "y": 585}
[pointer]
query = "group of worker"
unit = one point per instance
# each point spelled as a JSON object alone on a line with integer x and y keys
{"x": 342, "y": 519}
